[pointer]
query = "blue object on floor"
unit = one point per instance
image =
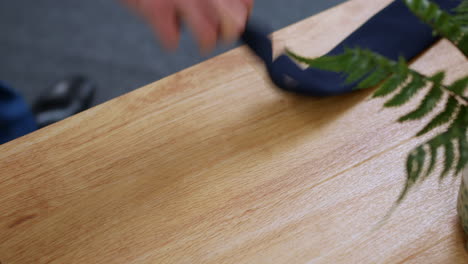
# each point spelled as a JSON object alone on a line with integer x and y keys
{"x": 16, "y": 119}
{"x": 392, "y": 32}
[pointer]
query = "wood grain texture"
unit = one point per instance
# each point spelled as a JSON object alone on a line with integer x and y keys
{"x": 213, "y": 165}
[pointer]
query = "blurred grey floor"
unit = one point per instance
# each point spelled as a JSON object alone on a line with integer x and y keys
{"x": 45, "y": 40}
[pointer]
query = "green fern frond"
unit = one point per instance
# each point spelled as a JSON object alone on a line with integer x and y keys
{"x": 443, "y": 118}
{"x": 449, "y": 157}
{"x": 414, "y": 167}
{"x": 456, "y": 133}
{"x": 442, "y": 22}
{"x": 461, "y": 14}
{"x": 463, "y": 153}
{"x": 374, "y": 70}
{"x": 429, "y": 102}
{"x": 327, "y": 63}
{"x": 407, "y": 92}
{"x": 399, "y": 76}
{"x": 398, "y": 79}
{"x": 416, "y": 160}
{"x": 362, "y": 66}
{"x": 433, "y": 158}
{"x": 373, "y": 79}
{"x": 460, "y": 130}
{"x": 368, "y": 69}
{"x": 459, "y": 86}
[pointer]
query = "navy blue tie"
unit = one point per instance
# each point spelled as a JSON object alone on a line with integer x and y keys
{"x": 393, "y": 32}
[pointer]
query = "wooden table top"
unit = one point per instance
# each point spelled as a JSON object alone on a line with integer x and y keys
{"x": 213, "y": 165}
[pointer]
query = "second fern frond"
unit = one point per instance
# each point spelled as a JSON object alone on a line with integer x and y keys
{"x": 451, "y": 27}
{"x": 396, "y": 80}
{"x": 367, "y": 69}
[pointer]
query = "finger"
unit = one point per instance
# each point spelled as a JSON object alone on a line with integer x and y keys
{"x": 233, "y": 15}
{"x": 200, "y": 23}
{"x": 163, "y": 17}
{"x": 249, "y": 4}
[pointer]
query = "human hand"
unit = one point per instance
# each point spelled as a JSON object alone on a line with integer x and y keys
{"x": 209, "y": 20}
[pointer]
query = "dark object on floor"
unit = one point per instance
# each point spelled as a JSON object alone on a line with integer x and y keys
{"x": 16, "y": 119}
{"x": 64, "y": 99}
{"x": 393, "y": 32}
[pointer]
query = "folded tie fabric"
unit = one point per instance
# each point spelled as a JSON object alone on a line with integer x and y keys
{"x": 392, "y": 32}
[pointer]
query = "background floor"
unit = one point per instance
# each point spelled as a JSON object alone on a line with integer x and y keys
{"x": 43, "y": 41}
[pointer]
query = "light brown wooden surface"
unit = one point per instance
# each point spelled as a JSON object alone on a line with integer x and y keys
{"x": 212, "y": 165}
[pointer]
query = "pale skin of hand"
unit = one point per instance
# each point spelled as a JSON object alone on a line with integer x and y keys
{"x": 209, "y": 20}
